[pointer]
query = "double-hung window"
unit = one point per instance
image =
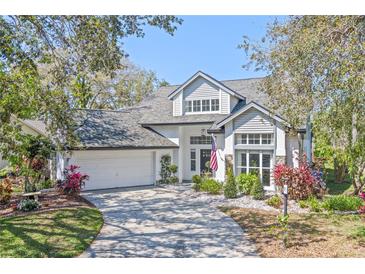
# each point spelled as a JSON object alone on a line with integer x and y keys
{"x": 256, "y": 162}
{"x": 205, "y": 105}
{"x": 266, "y": 139}
{"x": 196, "y": 106}
{"x": 241, "y": 139}
{"x": 254, "y": 139}
{"x": 215, "y": 105}
{"x": 188, "y": 106}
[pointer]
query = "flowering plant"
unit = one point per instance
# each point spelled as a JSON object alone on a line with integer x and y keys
{"x": 74, "y": 181}
{"x": 302, "y": 181}
{"x": 361, "y": 210}
{"x": 362, "y": 195}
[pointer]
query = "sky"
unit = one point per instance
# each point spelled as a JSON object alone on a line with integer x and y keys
{"x": 207, "y": 43}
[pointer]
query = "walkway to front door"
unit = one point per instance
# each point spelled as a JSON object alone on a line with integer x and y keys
{"x": 158, "y": 222}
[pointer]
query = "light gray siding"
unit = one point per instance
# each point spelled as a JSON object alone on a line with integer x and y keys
{"x": 201, "y": 89}
{"x": 253, "y": 121}
{"x": 225, "y": 103}
{"x": 233, "y": 102}
{"x": 177, "y": 105}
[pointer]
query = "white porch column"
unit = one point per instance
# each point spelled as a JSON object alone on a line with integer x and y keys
{"x": 60, "y": 166}
{"x": 181, "y": 154}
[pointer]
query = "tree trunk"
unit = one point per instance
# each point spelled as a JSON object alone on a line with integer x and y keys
{"x": 356, "y": 182}
{"x": 339, "y": 171}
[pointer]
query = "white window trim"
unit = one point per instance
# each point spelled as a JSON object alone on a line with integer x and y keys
{"x": 201, "y": 106}
{"x": 201, "y": 136}
{"x": 238, "y": 138}
{"x": 247, "y": 167}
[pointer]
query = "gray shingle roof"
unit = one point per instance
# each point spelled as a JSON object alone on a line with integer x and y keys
{"x": 158, "y": 108}
{"x": 128, "y": 128}
{"x": 117, "y": 129}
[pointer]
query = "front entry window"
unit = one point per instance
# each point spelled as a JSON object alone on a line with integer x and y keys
{"x": 205, "y": 160}
{"x": 255, "y": 162}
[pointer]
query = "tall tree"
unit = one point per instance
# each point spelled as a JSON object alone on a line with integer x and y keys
{"x": 316, "y": 65}
{"x": 71, "y": 49}
{"x": 126, "y": 87}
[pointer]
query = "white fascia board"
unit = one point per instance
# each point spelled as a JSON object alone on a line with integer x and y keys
{"x": 208, "y": 78}
{"x": 252, "y": 104}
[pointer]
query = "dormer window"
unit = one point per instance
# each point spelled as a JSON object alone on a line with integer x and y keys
{"x": 215, "y": 104}
{"x": 196, "y": 105}
{"x": 188, "y": 106}
{"x": 205, "y": 105}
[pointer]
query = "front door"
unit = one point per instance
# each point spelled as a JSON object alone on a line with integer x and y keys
{"x": 204, "y": 159}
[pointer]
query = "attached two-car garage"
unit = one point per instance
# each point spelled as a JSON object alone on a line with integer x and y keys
{"x": 116, "y": 168}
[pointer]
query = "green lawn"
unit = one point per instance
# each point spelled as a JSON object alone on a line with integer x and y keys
{"x": 61, "y": 233}
{"x": 337, "y": 188}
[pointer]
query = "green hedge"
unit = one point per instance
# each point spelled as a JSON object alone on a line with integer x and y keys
{"x": 342, "y": 203}
{"x": 211, "y": 186}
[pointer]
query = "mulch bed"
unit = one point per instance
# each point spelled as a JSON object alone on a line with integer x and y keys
{"x": 49, "y": 201}
{"x": 310, "y": 235}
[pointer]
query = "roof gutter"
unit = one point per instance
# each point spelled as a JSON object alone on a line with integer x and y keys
{"x": 122, "y": 148}
{"x": 176, "y": 123}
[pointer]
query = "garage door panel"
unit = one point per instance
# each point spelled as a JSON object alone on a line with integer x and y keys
{"x": 115, "y": 169}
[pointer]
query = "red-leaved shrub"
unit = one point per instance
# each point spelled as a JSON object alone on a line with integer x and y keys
{"x": 302, "y": 181}
{"x": 74, "y": 181}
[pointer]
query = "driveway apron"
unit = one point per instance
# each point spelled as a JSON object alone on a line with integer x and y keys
{"x": 158, "y": 222}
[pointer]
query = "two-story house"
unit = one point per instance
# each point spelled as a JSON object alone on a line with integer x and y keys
{"x": 124, "y": 148}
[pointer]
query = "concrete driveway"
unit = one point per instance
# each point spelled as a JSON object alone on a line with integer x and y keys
{"x": 157, "y": 222}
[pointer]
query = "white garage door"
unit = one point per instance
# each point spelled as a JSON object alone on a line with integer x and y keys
{"x": 109, "y": 169}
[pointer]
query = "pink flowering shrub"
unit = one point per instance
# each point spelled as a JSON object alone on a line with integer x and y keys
{"x": 74, "y": 181}
{"x": 362, "y": 208}
{"x": 302, "y": 181}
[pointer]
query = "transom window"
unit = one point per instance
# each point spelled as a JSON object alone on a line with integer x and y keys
{"x": 200, "y": 140}
{"x": 254, "y": 139}
{"x": 205, "y": 105}
{"x": 255, "y": 162}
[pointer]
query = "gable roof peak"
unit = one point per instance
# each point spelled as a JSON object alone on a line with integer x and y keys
{"x": 248, "y": 106}
{"x": 209, "y": 78}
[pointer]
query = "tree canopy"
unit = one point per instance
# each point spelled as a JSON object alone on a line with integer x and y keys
{"x": 51, "y": 64}
{"x": 316, "y": 65}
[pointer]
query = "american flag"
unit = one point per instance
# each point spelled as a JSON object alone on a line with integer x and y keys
{"x": 213, "y": 155}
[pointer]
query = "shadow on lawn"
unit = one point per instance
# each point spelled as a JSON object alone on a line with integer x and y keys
{"x": 63, "y": 233}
